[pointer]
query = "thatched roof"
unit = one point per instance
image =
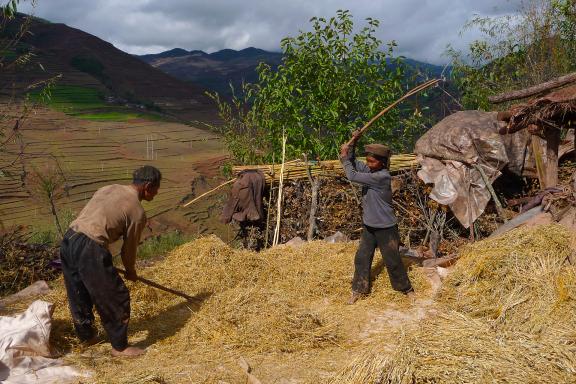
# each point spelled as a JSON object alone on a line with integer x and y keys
{"x": 556, "y": 109}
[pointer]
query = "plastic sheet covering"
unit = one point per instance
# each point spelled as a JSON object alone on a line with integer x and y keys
{"x": 25, "y": 352}
{"x": 450, "y": 152}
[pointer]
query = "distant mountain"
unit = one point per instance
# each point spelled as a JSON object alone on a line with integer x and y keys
{"x": 217, "y": 70}
{"x": 214, "y": 71}
{"x": 87, "y": 61}
{"x": 176, "y": 52}
{"x": 432, "y": 70}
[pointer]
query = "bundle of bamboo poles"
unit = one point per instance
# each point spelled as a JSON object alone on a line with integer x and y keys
{"x": 298, "y": 169}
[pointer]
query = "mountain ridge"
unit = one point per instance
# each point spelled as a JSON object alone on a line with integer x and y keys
{"x": 217, "y": 70}
{"x": 82, "y": 59}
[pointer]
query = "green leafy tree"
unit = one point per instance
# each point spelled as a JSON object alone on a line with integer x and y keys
{"x": 244, "y": 136}
{"x": 534, "y": 45}
{"x": 331, "y": 81}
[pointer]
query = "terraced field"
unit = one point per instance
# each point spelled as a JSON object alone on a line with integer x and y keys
{"x": 95, "y": 153}
{"x": 88, "y": 103}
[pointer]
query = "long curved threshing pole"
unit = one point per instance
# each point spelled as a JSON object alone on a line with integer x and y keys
{"x": 412, "y": 92}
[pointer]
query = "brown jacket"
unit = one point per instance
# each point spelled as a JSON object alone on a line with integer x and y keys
{"x": 245, "y": 199}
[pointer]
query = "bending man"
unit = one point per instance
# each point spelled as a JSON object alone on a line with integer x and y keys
{"x": 379, "y": 222}
{"x": 91, "y": 280}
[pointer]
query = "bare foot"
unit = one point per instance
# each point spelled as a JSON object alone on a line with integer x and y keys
{"x": 411, "y": 296}
{"x": 355, "y": 297}
{"x": 128, "y": 352}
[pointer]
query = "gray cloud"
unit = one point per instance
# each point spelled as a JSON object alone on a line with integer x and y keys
{"x": 422, "y": 28}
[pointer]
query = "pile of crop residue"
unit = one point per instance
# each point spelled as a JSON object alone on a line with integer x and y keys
{"x": 339, "y": 209}
{"x": 22, "y": 263}
{"x": 283, "y": 306}
{"x": 507, "y": 314}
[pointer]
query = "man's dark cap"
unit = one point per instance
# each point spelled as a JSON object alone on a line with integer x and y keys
{"x": 380, "y": 150}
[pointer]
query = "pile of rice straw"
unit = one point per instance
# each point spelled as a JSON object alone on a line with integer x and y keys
{"x": 507, "y": 314}
{"x": 282, "y": 301}
{"x": 522, "y": 281}
{"x": 455, "y": 348}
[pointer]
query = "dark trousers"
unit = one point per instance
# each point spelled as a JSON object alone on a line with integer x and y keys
{"x": 388, "y": 240}
{"x": 92, "y": 281}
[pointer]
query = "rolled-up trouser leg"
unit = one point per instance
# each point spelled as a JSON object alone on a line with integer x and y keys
{"x": 363, "y": 262}
{"x": 388, "y": 241}
{"x": 79, "y": 299}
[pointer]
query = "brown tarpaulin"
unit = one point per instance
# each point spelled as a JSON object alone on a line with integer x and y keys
{"x": 450, "y": 150}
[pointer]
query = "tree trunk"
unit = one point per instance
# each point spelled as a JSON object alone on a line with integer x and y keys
{"x": 313, "y": 209}
{"x": 56, "y": 220}
{"x": 538, "y": 151}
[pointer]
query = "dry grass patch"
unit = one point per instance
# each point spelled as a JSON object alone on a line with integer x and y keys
{"x": 455, "y": 349}
{"x": 284, "y": 303}
{"x": 507, "y": 315}
{"x": 521, "y": 280}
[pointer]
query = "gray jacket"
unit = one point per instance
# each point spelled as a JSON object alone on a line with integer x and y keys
{"x": 376, "y": 192}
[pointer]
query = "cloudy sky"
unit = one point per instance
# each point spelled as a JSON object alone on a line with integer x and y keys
{"x": 422, "y": 28}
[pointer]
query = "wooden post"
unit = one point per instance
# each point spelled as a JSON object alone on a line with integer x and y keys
{"x": 546, "y": 157}
{"x": 276, "y": 238}
{"x": 538, "y": 151}
{"x": 552, "y": 144}
{"x": 314, "y": 185}
{"x": 312, "y": 227}
{"x": 267, "y": 236}
{"x": 574, "y": 182}
{"x": 499, "y": 207}
{"x": 472, "y": 237}
{"x": 429, "y": 225}
{"x": 469, "y": 204}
